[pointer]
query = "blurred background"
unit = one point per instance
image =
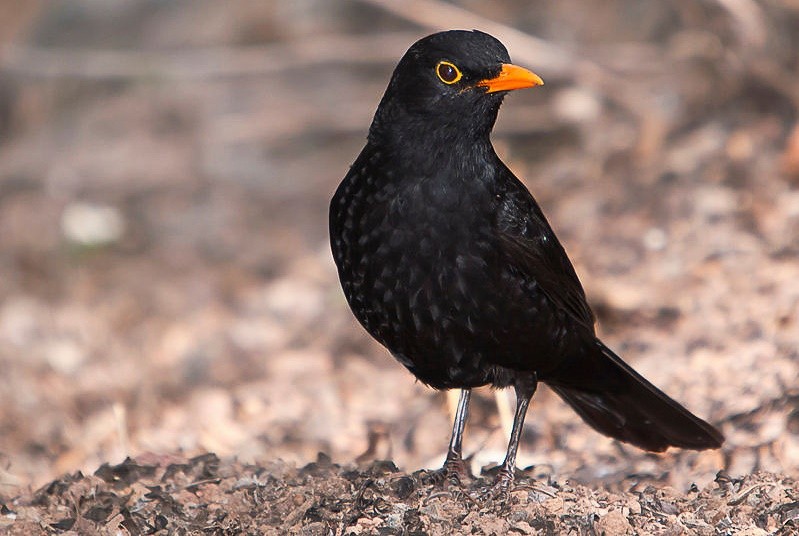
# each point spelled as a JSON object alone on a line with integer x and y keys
{"x": 166, "y": 285}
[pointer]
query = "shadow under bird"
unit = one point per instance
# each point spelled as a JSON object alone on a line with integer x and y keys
{"x": 448, "y": 261}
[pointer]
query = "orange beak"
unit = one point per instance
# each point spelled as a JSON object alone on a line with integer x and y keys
{"x": 511, "y": 77}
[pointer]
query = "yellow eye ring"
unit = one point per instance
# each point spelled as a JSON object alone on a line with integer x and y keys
{"x": 447, "y": 72}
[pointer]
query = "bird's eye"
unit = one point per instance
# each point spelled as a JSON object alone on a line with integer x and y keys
{"x": 447, "y": 72}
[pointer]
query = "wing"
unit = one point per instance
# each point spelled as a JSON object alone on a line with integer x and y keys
{"x": 532, "y": 248}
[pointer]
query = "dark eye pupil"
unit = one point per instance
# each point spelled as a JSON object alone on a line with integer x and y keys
{"x": 447, "y": 72}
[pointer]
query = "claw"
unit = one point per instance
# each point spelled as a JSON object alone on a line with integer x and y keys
{"x": 454, "y": 471}
{"x": 499, "y": 490}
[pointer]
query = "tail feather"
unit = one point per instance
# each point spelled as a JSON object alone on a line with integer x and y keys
{"x": 618, "y": 402}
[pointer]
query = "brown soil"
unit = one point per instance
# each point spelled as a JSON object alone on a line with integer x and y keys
{"x": 204, "y": 496}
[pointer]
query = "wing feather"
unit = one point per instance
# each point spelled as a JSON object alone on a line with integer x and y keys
{"x": 532, "y": 247}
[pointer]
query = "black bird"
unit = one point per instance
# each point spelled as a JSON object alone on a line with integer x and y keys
{"x": 448, "y": 261}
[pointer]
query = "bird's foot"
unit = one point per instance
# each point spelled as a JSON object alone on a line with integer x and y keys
{"x": 499, "y": 490}
{"x": 454, "y": 472}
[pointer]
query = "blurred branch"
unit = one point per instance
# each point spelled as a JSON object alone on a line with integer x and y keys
{"x": 202, "y": 63}
{"x": 749, "y": 19}
{"x": 551, "y": 59}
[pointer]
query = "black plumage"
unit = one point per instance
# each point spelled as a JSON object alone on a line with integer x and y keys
{"x": 448, "y": 261}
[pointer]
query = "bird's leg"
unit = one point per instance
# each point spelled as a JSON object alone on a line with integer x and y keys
{"x": 454, "y": 461}
{"x": 525, "y": 388}
{"x": 454, "y": 466}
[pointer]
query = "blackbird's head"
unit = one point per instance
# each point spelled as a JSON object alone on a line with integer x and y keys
{"x": 450, "y": 82}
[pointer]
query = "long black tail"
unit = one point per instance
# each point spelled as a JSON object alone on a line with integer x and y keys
{"x": 620, "y": 403}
